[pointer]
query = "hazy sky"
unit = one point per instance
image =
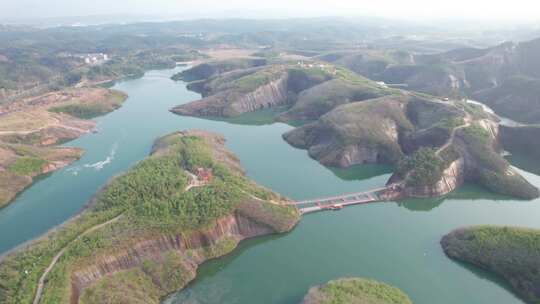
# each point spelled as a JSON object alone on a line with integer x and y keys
{"x": 525, "y": 10}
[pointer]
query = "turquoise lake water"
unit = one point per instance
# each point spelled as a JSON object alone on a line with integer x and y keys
{"x": 390, "y": 242}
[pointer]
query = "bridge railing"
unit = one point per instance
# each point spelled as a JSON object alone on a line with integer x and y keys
{"x": 337, "y": 197}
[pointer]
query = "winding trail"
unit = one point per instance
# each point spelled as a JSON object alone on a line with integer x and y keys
{"x": 41, "y": 282}
{"x": 452, "y": 136}
{"x": 193, "y": 181}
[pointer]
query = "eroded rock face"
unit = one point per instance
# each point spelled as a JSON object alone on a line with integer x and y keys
{"x": 356, "y": 154}
{"x": 271, "y": 94}
{"x": 231, "y": 103}
{"x": 53, "y": 166}
{"x": 363, "y": 132}
{"x": 452, "y": 177}
{"x": 323, "y": 145}
{"x": 231, "y": 227}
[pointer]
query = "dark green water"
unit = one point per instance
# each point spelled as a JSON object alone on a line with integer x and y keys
{"x": 394, "y": 243}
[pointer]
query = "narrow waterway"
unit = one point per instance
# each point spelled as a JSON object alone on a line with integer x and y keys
{"x": 394, "y": 243}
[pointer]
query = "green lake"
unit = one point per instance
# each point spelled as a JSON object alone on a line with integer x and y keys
{"x": 397, "y": 243}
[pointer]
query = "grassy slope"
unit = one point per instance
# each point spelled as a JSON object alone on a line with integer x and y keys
{"x": 320, "y": 99}
{"x": 223, "y": 90}
{"x": 151, "y": 197}
{"x": 209, "y": 69}
{"x": 360, "y": 121}
{"x": 513, "y": 253}
{"x": 355, "y": 291}
{"x": 365, "y": 123}
{"x": 23, "y": 162}
{"x": 111, "y": 101}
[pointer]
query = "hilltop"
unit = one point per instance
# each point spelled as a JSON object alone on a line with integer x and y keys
{"x": 308, "y": 89}
{"x": 505, "y": 76}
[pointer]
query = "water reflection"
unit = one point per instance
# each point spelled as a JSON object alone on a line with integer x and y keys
{"x": 361, "y": 172}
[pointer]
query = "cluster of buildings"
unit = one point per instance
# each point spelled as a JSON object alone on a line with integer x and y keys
{"x": 93, "y": 59}
{"x": 87, "y": 58}
{"x": 204, "y": 175}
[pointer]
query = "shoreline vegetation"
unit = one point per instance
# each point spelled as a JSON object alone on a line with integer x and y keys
{"x": 33, "y": 125}
{"x": 355, "y": 291}
{"x": 32, "y": 129}
{"x": 511, "y": 253}
{"x": 156, "y": 233}
{"x": 435, "y": 145}
{"x": 361, "y": 105}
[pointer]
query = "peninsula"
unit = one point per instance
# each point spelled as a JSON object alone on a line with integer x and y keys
{"x": 30, "y": 129}
{"x": 148, "y": 229}
{"x": 434, "y": 144}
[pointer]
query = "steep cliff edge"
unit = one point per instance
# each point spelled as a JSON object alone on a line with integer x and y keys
{"x": 355, "y": 133}
{"x": 512, "y": 253}
{"x": 232, "y": 102}
{"x": 380, "y": 130}
{"x": 470, "y": 156}
{"x": 441, "y": 181}
{"x": 436, "y": 146}
{"x": 310, "y": 89}
{"x": 240, "y": 92}
{"x": 163, "y": 228}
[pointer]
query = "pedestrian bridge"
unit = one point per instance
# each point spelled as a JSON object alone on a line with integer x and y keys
{"x": 340, "y": 201}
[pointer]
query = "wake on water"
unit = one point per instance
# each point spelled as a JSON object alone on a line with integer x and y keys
{"x": 97, "y": 165}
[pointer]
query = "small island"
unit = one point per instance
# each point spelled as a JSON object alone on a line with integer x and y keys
{"x": 144, "y": 234}
{"x": 355, "y": 291}
{"x": 509, "y": 252}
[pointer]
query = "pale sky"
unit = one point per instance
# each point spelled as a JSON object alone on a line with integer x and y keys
{"x": 518, "y": 10}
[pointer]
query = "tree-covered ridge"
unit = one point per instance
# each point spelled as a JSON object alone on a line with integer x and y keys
{"x": 355, "y": 291}
{"x": 424, "y": 167}
{"x": 512, "y": 253}
{"x": 147, "y": 202}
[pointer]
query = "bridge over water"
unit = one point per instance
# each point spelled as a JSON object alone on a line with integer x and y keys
{"x": 340, "y": 201}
